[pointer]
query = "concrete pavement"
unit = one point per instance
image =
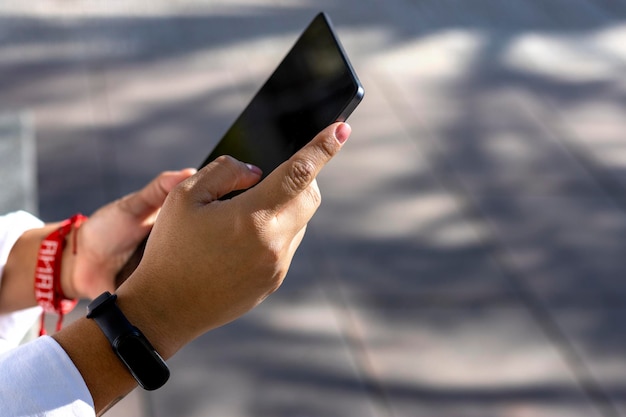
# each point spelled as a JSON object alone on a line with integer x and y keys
{"x": 468, "y": 256}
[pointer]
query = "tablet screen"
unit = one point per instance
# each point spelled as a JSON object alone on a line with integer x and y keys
{"x": 311, "y": 88}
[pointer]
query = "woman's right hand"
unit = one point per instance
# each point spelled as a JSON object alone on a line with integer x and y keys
{"x": 207, "y": 261}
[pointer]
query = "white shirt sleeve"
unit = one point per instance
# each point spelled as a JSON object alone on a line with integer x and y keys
{"x": 13, "y": 326}
{"x": 39, "y": 379}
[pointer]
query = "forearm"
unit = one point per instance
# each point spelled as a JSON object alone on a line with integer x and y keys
{"x": 106, "y": 377}
{"x": 18, "y": 278}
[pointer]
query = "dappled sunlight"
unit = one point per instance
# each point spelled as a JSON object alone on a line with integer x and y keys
{"x": 437, "y": 57}
{"x": 510, "y": 352}
{"x": 569, "y": 58}
{"x": 468, "y": 256}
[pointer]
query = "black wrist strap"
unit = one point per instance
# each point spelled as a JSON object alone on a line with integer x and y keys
{"x": 109, "y": 317}
{"x": 129, "y": 344}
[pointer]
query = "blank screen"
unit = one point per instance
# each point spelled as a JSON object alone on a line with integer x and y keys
{"x": 312, "y": 87}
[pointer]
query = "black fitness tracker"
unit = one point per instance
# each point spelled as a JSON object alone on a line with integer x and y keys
{"x": 129, "y": 344}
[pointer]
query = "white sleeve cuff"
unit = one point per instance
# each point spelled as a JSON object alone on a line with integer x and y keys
{"x": 39, "y": 379}
{"x": 13, "y": 326}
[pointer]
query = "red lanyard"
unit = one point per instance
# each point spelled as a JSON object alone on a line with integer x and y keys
{"x": 48, "y": 291}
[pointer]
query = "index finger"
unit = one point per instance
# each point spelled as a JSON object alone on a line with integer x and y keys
{"x": 295, "y": 175}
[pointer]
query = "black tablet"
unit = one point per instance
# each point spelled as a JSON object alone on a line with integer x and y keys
{"x": 312, "y": 87}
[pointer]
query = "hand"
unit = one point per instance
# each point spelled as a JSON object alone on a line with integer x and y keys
{"x": 207, "y": 261}
{"x": 110, "y": 235}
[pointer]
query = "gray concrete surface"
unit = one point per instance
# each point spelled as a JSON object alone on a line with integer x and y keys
{"x": 468, "y": 257}
{"x": 18, "y": 163}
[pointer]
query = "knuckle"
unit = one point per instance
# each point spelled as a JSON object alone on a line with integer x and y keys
{"x": 275, "y": 258}
{"x": 184, "y": 187}
{"x": 230, "y": 170}
{"x": 181, "y": 194}
{"x": 184, "y": 193}
{"x": 301, "y": 174}
{"x": 223, "y": 158}
{"x": 273, "y": 255}
{"x": 227, "y": 161}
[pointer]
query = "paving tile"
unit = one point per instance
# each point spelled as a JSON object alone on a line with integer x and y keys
{"x": 387, "y": 224}
{"x": 489, "y": 146}
{"x": 593, "y": 133}
{"x": 582, "y": 106}
{"x": 45, "y": 76}
{"x": 72, "y": 174}
{"x": 35, "y": 52}
{"x": 285, "y": 358}
{"x": 18, "y": 165}
{"x": 596, "y": 336}
{"x": 467, "y": 361}
{"x": 171, "y": 127}
{"x": 562, "y": 247}
{"x": 606, "y": 163}
{"x": 567, "y": 254}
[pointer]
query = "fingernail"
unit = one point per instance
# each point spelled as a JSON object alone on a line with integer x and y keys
{"x": 254, "y": 169}
{"x": 342, "y": 132}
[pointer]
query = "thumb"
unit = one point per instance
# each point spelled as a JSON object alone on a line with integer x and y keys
{"x": 150, "y": 198}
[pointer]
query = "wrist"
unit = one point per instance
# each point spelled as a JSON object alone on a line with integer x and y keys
{"x": 129, "y": 343}
{"x": 48, "y": 287}
{"x": 107, "y": 378}
{"x": 16, "y": 291}
{"x": 68, "y": 266}
{"x": 150, "y": 314}
{"x": 73, "y": 251}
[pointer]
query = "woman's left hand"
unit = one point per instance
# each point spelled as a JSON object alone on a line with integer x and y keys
{"x": 107, "y": 239}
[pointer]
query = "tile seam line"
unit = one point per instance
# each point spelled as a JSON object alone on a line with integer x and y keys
{"x": 351, "y": 335}
{"x": 581, "y": 373}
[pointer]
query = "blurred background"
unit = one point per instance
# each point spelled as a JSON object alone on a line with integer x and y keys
{"x": 469, "y": 253}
